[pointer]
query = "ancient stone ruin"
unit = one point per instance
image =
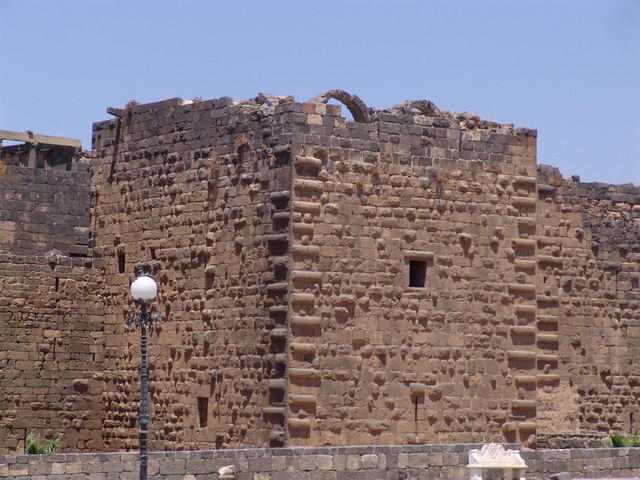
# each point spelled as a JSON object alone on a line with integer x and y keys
{"x": 411, "y": 276}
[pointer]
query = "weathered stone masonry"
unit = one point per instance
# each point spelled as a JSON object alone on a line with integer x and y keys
{"x": 201, "y": 192}
{"x": 412, "y": 276}
{"x": 384, "y": 462}
{"x": 588, "y": 319}
{"x": 51, "y": 316}
{"x": 394, "y": 363}
{"x": 42, "y": 210}
{"x": 284, "y": 236}
{"x": 51, "y": 351}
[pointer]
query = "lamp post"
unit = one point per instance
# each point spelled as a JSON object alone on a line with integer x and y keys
{"x": 143, "y": 290}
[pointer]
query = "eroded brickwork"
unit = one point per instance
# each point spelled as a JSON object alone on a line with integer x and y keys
{"x": 386, "y": 362}
{"x": 411, "y": 276}
{"x": 51, "y": 333}
{"x": 396, "y": 279}
{"x": 588, "y": 323}
{"x": 51, "y": 351}
{"x": 200, "y": 191}
{"x": 42, "y": 210}
{"x": 387, "y": 462}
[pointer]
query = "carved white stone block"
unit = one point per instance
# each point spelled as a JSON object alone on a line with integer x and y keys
{"x": 227, "y": 473}
{"x": 494, "y": 456}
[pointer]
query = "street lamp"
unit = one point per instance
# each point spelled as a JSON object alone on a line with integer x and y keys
{"x": 143, "y": 290}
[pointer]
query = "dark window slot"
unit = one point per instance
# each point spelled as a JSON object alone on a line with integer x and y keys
{"x": 121, "y": 262}
{"x": 417, "y": 273}
{"x": 243, "y": 153}
{"x": 203, "y": 410}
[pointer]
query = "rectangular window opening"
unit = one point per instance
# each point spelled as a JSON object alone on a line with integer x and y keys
{"x": 153, "y": 253}
{"x": 417, "y": 273}
{"x": 57, "y": 285}
{"x": 203, "y": 410}
{"x": 121, "y": 262}
{"x": 243, "y": 152}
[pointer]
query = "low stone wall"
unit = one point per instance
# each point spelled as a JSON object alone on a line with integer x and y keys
{"x": 569, "y": 440}
{"x": 583, "y": 462}
{"x": 416, "y": 462}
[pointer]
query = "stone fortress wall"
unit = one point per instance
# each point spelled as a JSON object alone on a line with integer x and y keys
{"x": 412, "y": 276}
{"x": 51, "y": 333}
{"x": 43, "y": 209}
{"x": 51, "y": 351}
{"x": 392, "y": 362}
{"x": 286, "y": 240}
{"x": 589, "y": 273}
{"x": 200, "y": 192}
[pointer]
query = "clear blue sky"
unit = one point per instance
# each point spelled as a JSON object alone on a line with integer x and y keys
{"x": 571, "y": 69}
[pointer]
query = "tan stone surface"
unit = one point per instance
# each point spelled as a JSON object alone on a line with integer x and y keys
{"x": 282, "y": 238}
{"x": 51, "y": 352}
{"x": 304, "y": 255}
{"x": 206, "y": 222}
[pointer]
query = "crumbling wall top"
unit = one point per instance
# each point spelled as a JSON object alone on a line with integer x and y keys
{"x": 268, "y": 104}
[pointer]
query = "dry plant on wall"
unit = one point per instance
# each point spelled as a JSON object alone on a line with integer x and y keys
{"x": 211, "y": 163}
{"x": 240, "y": 140}
{"x": 129, "y": 106}
{"x": 242, "y": 148}
{"x": 3, "y": 169}
{"x": 441, "y": 180}
{"x": 555, "y": 181}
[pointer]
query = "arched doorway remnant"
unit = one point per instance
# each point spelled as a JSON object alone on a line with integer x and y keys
{"x": 355, "y": 105}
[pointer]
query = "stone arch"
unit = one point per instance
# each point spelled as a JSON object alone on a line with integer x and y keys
{"x": 425, "y": 107}
{"x": 356, "y": 106}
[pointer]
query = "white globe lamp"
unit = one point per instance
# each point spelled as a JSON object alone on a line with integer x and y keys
{"x": 144, "y": 289}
